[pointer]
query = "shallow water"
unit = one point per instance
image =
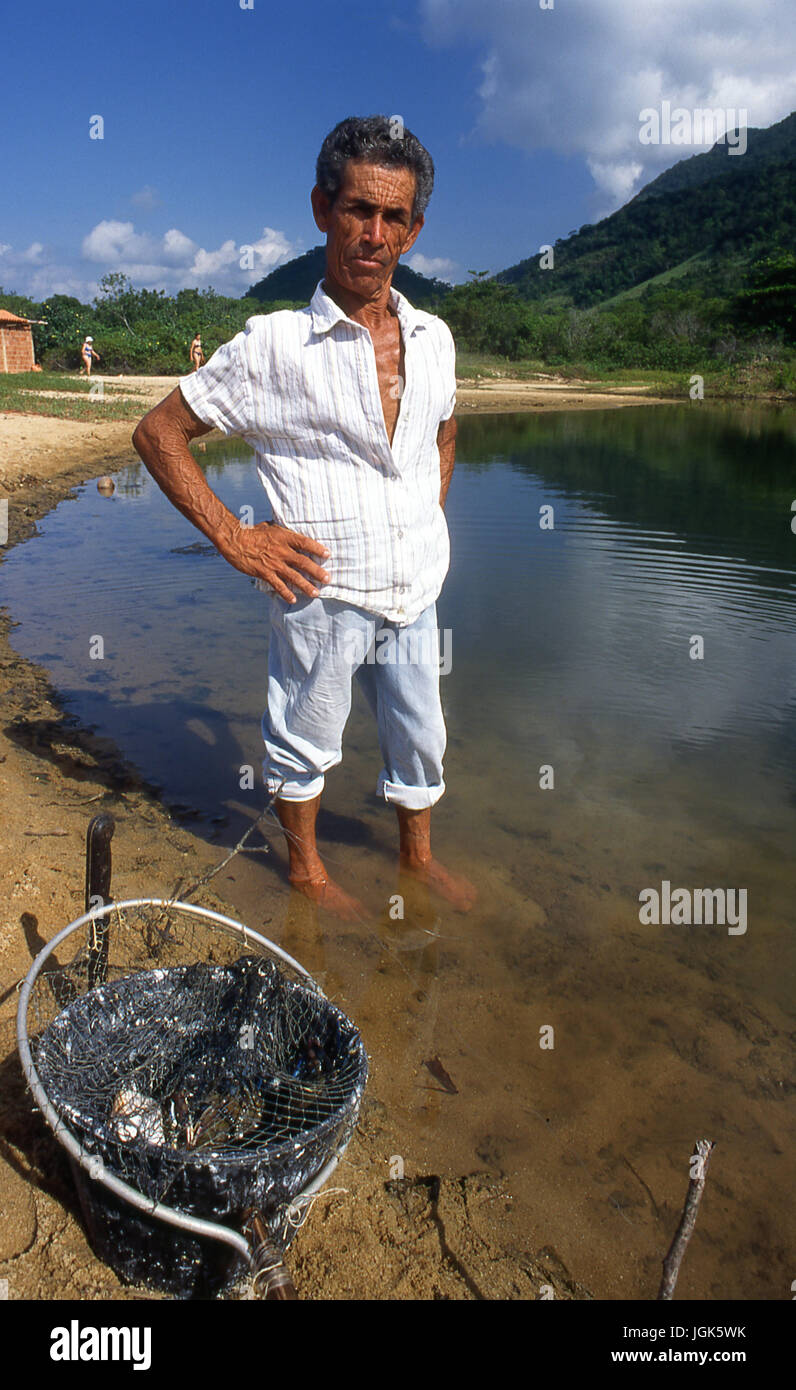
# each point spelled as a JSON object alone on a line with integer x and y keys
{"x": 570, "y": 649}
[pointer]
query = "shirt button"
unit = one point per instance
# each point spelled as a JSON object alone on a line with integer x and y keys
{"x": 400, "y": 535}
{"x": 402, "y": 590}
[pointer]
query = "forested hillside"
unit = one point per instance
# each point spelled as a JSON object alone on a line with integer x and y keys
{"x": 720, "y": 207}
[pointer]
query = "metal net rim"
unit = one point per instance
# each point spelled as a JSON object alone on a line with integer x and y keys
{"x": 92, "y": 1127}
{"x": 71, "y": 1142}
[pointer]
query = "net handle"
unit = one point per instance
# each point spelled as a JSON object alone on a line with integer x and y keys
{"x": 90, "y": 1162}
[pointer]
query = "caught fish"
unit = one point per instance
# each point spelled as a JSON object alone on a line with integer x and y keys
{"x": 227, "y": 1120}
{"x": 137, "y": 1116}
{"x": 317, "y": 1054}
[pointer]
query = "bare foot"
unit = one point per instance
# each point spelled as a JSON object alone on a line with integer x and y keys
{"x": 330, "y": 896}
{"x": 454, "y": 888}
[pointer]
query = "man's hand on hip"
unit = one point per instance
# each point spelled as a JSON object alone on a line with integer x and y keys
{"x": 275, "y": 554}
{"x": 268, "y": 552}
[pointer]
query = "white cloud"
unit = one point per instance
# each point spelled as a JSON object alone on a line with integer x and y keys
{"x": 31, "y": 256}
{"x": 573, "y": 79}
{"x": 171, "y": 262}
{"x": 114, "y": 241}
{"x": 177, "y": 247}
{"x": 617, "y": 180}
{"x": 146, "y": 198}
{"x": 54, "y": 278}
{"x": 28, "y": 270}
{"x": 175, "y": 261}
{"x": 207, "y": 263}
{"x": 244, "y": 262}
{"x": 438, "y": 266}
{"x": 258, "y": 257}
{"x": 271, "y": 248}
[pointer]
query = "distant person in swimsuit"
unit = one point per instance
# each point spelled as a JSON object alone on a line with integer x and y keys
{"x": 88, "y": 352}
{"x": 197, "y": 356}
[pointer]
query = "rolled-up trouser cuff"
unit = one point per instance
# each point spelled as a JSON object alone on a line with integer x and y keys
{"x": 316, "y": 646}
{"x": 295, "y": 790}
{"x": 411, "y": 798}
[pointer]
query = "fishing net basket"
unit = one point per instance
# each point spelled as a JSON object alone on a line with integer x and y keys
{"x": 195, "y": 1073}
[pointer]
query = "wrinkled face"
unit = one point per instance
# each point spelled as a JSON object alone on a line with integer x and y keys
{"x": 368, "y": 226}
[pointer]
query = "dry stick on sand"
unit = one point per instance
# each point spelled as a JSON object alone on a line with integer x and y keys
{"x": 677, "y": 1249}
{"x": 161, "y": 916}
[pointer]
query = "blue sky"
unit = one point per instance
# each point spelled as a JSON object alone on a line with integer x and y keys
{"x": 213, "y": 116}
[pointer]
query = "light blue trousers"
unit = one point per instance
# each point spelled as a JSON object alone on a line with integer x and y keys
{"x": 317, "y": 646}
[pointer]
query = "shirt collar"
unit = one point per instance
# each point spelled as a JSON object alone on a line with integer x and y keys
{"x": 326, "y": 313}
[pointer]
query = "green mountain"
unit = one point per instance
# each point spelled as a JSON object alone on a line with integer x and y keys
{"x": 296, "y": 280}
{"x": 776, "y": 145}
{"x": 716, "y": 210}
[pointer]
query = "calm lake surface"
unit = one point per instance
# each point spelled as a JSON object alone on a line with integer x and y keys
{"x": 571, "y": 649}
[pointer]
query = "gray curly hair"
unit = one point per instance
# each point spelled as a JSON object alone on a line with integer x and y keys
{"x": 377, "y": 140}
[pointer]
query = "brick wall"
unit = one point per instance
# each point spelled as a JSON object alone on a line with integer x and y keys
{"x": 16, "y": 348}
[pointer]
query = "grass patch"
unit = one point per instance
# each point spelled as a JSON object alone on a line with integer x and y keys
{"x": 657, "y": 282}
{"x": 471, "y": 366}
{"x": 20, "y": 391}
{"x": 761, "y": 380}
{"x": 741, "y": 381}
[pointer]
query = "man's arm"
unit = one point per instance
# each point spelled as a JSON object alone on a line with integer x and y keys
{"x": 446, "y": 443}
{"x": 267, "y": 552}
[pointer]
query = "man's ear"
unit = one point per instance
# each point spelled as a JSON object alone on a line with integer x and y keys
{"x": 321, "y": 208}
{"x": 414, "y": 232}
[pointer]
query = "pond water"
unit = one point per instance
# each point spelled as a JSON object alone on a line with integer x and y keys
{"x": 640, "y": 655}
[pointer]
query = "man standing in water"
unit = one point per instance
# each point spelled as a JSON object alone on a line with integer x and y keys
{"x": 348, "y": 404}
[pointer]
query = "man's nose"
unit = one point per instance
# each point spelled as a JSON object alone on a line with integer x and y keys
{"x": 374, "y": 229}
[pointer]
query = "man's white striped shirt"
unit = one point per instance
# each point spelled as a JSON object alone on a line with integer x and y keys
{"x": 301, "y": 387}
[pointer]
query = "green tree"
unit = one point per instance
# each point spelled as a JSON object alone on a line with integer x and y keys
{"x": 485, "y": 316}
{"x": 117, "y": 301}
{"x": 770, "y": 300}
{"x": 67, "y": 323}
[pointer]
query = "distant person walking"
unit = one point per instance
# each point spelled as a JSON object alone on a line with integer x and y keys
{"x": 88, "y": 352}
{"x": 197, "y": 355}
